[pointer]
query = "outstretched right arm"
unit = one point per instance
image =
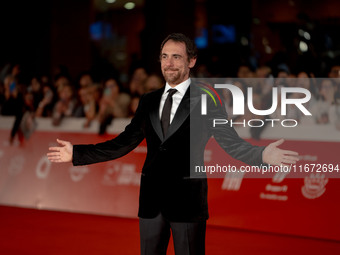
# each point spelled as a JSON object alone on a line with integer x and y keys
{"x": 129, "y": 139}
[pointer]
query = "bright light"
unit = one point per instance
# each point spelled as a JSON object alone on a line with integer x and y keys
{"x": 301, "y": 32}
{"x": 306, "y": 35}
{"x": 129, "y": 5}
{"x": 110, "y": 1}
{"x": 267, "y": 49}
{"x": 303, "y": 46}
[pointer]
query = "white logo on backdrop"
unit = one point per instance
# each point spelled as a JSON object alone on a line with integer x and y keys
{"x": 78, "y": 173}
{"x": 276, "y": 192}
{"x": 16, "y": 164}
{"x": 232, "y": 181}
{"x": 121, "y": 174}
{"x": 279, "y": 177}
{"x": 43, "y": 168}
{"x": 315, "y": 185}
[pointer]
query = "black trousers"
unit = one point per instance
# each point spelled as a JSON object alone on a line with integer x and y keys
{"x": 189, "y": 237}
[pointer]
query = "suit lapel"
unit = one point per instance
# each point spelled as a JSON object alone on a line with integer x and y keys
{"x": 154, "y": 114}
{"x": 189, "y": 101}
{"x": 185, "y": 107}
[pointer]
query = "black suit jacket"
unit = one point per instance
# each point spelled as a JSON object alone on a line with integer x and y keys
{"x": 169, "y": 183}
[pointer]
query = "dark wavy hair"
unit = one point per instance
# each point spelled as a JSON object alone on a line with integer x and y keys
{"x": 178, "y": 37}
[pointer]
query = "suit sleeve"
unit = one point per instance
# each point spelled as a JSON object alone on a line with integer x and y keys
{"x": 125, "y": 142}
{"x": 231, "y": 142}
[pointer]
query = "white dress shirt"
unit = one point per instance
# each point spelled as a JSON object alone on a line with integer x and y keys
{"x": 176, "y": 98}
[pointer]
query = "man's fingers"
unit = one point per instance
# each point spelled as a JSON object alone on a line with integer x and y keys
{"x": 53, "y": 154}
{"x": 56, "y": 160}
{"x": 54, "y": 148}
{"x": 293, "y": 153}
{"x": 278, "y": 142}
{"x": 291, "y": 158}
{"x": 53, "y": 157}
{"x": 289, "y": 161}
{"x": 62, "y": 142}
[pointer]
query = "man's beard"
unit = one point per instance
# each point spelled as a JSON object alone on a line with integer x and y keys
{"x": 172, "y": 78}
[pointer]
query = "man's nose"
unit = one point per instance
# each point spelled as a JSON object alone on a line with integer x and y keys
{"x": 169, "y": 62}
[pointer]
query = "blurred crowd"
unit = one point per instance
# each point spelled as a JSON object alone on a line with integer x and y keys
{"x": 324, "y": 104}
{"x": 61, "y": 96}
{"x": 104, "y": 99}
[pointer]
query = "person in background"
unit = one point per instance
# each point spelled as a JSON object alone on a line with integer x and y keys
{"x": 334, "y": 74}
{"x": 202, "y": 71}
{"x": 136, "y": 85}
{"x": 153, "y": 82}
{"x": 46, "y": 104}
{"x": 11, "y": 93}
{"x": 59, "y": 82}
{"x": 86, "y": 106}
{"x": 113, "y": 104}
{"x": 306, "y": 81}
{"x": 244, "y": 71}
{"x": 25, "y": 123}
{"x": 36, "y": 89}
{"x": 85, "y": 80}
{"x": 65, "y": 106}
{"x": 14, "y": 105}
{"x": 264, "y": 81}
{"x": 19, "y": 102}
{"x": 327, "y": 108}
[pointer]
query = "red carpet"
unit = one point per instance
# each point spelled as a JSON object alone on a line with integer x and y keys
{"x": 40, "y": 232}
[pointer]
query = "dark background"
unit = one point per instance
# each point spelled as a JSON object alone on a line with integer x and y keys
{"x": 42, "y": 35}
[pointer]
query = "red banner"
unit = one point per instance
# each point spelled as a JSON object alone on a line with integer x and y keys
{"x": 305, "y": 206}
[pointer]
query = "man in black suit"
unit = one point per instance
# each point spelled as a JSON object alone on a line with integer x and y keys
{"x": 172, "y": 197}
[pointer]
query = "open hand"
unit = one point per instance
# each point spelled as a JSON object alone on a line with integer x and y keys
{"x": 61, "y": 154}
{"x": 275, "y": 156}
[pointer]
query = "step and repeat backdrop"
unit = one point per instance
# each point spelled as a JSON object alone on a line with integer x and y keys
{"x": 304, "y": 202}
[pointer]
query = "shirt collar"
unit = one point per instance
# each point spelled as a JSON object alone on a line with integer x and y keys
{"x": 181, "y": 88}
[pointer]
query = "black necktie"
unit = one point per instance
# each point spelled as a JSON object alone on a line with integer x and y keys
{"x": 165, "y": 119}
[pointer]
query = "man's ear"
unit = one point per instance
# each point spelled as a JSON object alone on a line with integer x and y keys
{"x": 192, "y": 62}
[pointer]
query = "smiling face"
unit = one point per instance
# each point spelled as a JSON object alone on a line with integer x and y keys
{"x": 175, "y": 63}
